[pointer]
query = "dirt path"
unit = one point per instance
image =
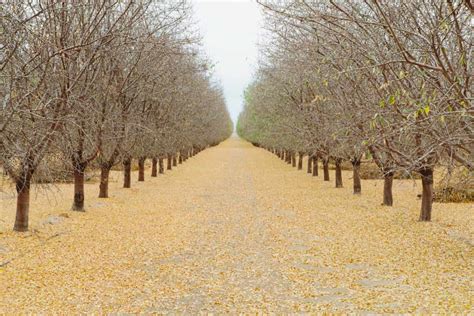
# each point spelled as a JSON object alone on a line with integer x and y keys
{"x": 235, "y": 229}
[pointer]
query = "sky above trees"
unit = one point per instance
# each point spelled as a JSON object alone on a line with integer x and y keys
{"x": 230, "y": 31}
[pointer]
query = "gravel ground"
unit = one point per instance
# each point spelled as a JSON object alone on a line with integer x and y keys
{"x": 236, "y": 230}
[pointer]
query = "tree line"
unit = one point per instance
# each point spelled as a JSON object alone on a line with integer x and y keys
{"x": 96, "y": 83}
{"x": 341, "y": 80}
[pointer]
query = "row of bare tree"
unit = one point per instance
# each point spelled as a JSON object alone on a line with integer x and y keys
{"x": 95, "y": 83}
{"x": 341, "y": 79}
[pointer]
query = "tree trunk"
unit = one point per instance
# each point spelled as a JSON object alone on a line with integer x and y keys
{"x": 356, "y": 176}
{"x": 127, "y": 170}
{"x": 175, "y": 162}
{"x": 180, "y": 158}
{"x": 300, "y": 161}
{"x": 293, "y": 159}
{"x": 78, "y": 204}
{"x": 141, "y": 169}
{"x": 315, "y": 166}
{"x": 427, "y": 194}
{"x": 387, "y": 189}
{"x": 288, "y": 157}
{"x": 309, "y": 169}
{"x": 104, "y": 182}
{"x": 168, "y": 160}
{"x": 338, "y": 173}
{"x": 22, "y": 204}
{"x": 154, "y": 171}
{"x": 326, "y": 169}
{"x": 161, "y": 166}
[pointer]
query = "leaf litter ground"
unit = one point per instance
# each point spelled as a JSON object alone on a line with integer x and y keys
{"x": 235, "y": 229}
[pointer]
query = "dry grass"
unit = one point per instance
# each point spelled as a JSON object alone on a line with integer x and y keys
{"x": 235, "y": 229}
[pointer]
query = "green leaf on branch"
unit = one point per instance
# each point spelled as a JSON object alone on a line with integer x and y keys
{"x": 391, "y": 100}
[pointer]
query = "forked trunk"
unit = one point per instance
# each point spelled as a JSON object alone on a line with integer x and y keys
{"x": 78, "y": 204}
{"x": 22, "y": 204}
{"x": 310, "y": 165}
{"x": 127, "y": 170}
{"x": 338, "y": 173}
{"x": 326, "y": 169}
{"x": 387, "y": 189}
{"x": 168, "y": 160}
{"x": 161, "y": 165}
{"x": 427, "y": 194}
{"x": 300, "y": 161}
{"x": 315, "y": 166}
{"x": 141, "y": 169}
{"x": 356, "y": 176}
{"x": 175, "y": 162}
{"x": 104, "y": 182}
{"x": 154, "y": 171}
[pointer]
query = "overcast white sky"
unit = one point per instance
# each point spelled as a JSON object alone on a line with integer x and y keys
{"x": 230, "y": 31}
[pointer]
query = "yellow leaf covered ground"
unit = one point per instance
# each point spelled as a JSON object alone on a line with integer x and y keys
{"x": 235, "y": 229}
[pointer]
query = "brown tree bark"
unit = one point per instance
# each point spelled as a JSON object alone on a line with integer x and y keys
{"x": 309, "y": 168}
{"x": 104, "y": 182}
{"x": 175, "y": 162}
{"x": 356, "y": 176}
{"x": 127, "y": 170}
{"x": 326, "y": 169}
{"x": 293, "y": 159}
{"x": 387, "y": 189}
{"x": 300, "y": 161}
{"x": 154, "y": 171}
{"x": 338, "y": 162}
{"x": 141, "y": 169}
{"x": 161, "y": 166}
{"x": 105, "y": 166}
{"x": 22, "y": 204}
{"x": 315, "y": 166}
{"x": 427, "y": 194}
{"x": 78, "y": 204}
{"x": 168, "y": 167}
{"x": 180, "y": 158}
